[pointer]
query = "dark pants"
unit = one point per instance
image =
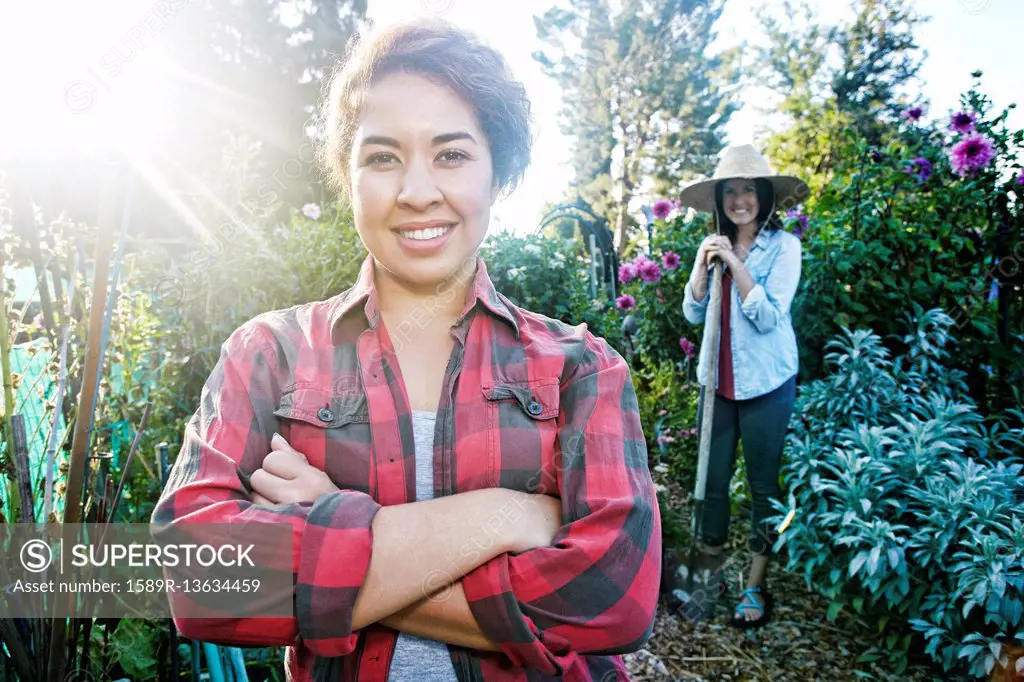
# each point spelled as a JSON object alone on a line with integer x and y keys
{"x": 761, "y": 422}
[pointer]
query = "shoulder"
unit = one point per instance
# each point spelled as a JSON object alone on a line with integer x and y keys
{"x": 580, "y": 350}
{"x": 304, "y": 323}
{"x": 787, "y": 241}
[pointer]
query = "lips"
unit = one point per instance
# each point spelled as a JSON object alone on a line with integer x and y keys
{"x": 426, "y": 237}
{"x": 424, "y": 230}
{"x": 425, "y": 234}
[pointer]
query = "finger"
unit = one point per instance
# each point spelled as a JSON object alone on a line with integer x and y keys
{"x": 286, "y": 464}
{"x": 260, "y": 500}
{"x": 278, "y": 442}
{"x": 268, "y": 485}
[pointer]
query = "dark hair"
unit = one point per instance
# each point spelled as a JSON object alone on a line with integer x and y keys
{"x": 767, "y": 213}
{"x": 449, "y": 56}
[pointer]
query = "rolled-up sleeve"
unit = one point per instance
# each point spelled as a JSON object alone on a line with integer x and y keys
{"x": 766, "y": 305}
{"x": 693, "y": 310}
{"x": 595, "y": 589}
{"x": 331, "y": 538}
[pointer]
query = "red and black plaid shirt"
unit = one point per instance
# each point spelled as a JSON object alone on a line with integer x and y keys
{"x": 528, "y": 403}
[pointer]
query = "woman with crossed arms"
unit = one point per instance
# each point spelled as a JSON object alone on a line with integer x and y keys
{"x": 467, "y": 482}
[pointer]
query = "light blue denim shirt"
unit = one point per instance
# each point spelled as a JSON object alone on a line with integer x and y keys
{"x": 764, "y": 352}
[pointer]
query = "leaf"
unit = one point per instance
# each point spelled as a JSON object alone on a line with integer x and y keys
{"x": 833, "y": 610}
{"x": 970, "y": 650}
{"x": 876, "y": 553}
{"x": 857, "y": 562}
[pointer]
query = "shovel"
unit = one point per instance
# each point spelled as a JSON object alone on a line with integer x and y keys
{"x": 697, "y": 584}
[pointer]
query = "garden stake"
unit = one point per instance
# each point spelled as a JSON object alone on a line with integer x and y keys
{"x": 86, "y": 398}
{"x": 62, "y": 380}
{"x": 108, "y": 310}
{"x": 698, "y": 594}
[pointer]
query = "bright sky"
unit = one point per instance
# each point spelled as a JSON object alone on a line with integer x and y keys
{"x": 962, "y": 36}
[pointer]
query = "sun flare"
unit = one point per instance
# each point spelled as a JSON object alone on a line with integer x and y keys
{"x": 82, "y": 74}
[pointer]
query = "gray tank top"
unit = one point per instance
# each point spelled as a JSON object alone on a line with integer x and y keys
{"x": 417, "y": 659}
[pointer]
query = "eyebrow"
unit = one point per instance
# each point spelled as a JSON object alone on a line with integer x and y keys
{"x": 444, "y": 138}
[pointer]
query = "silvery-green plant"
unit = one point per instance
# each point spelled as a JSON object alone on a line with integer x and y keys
{"x": 910, "y": 504}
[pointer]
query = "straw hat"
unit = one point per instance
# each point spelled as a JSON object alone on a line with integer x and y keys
{"x": 744, "y": 162}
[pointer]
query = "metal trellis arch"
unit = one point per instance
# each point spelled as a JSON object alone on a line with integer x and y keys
{"x": 597, "y": 239}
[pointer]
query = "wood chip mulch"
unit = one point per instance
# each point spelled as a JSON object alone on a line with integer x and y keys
{"x": 798, "y": 645}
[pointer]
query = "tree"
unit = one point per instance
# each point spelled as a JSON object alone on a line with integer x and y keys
{"x": 644, "y": 102}
{"x": 254, "y": 68}
{"x": 836, "y": 78}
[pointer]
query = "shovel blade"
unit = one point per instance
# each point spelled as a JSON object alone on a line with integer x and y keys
{"x": 698, "y": 585}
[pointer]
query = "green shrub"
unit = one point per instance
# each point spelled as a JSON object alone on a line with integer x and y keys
{"x": 551, "y": 277}
{"x": 885, "y": 235}
{"x": 909, "y": 502}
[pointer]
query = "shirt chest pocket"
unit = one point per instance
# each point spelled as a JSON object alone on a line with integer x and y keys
{"x": 332, "y": 430}
{"x": 522, "y": 434}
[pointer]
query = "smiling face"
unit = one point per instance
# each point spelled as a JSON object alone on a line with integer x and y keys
{"x": 422, "y": 182}
{"x": 739, "y": 201}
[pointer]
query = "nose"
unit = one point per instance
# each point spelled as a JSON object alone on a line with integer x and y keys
{"x": 419, "y": 188}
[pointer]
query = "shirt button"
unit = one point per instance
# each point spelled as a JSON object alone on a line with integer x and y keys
{"x": 534, "y": 408}
{"x": 325, "y": 414}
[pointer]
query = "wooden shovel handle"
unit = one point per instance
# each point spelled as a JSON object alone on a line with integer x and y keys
{"x": 713, "y": 320}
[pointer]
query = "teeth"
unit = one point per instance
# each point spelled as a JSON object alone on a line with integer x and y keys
{"x": 430, "y": 233}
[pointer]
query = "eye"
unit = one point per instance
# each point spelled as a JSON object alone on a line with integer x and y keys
{"x": 380, "y": 159}
{"x": 453, "y": 157}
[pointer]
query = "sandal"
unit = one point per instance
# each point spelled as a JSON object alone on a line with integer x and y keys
{"x": 749, "y": 602}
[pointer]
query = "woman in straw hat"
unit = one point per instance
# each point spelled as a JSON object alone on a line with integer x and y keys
{"x": 757, "y": 353}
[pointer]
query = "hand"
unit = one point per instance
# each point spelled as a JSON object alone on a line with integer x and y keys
{"x": 539, "y": 524}
{"x": 719, "y": 246}
{"x": 287, "y": 477}
{"x": 702, "y": 260}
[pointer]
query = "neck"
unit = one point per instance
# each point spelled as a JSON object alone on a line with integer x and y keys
{"x": 423, "y": 304}
{"x": 748, "y": 232}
